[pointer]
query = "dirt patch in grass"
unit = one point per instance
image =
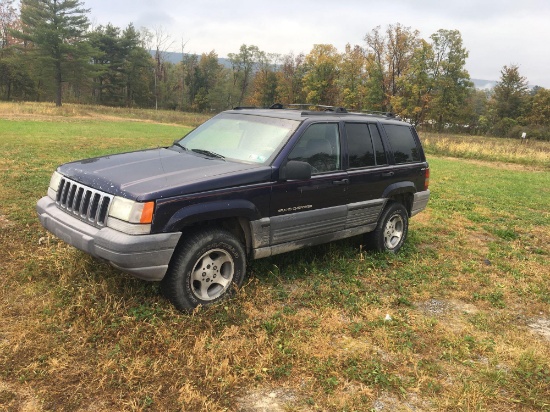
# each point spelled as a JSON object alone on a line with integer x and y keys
{"x": 18, "y": 399}
{"x": 541, "y": 327}
{"x": 390, "y": 403}
{"x": 5, "y": 222}
{"x": 267, "y": 400}
{"x": 450, "y": 313}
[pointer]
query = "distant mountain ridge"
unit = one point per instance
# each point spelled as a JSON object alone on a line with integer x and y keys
{"x": 484, "y": 84}
{"x": 175, "y": 58}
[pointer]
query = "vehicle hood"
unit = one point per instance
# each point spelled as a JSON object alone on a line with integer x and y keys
{"x": 159, "y": 173}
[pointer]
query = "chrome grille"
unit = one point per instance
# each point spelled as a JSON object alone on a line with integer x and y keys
{"x": 83, "y": 202}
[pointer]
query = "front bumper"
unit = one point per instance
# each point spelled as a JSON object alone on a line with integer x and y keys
{"x": 144, "y": 256}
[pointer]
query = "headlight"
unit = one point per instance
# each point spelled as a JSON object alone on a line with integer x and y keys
{"x": 130, "y": 217}
{"x": 130, "y": 211}
{"x": 54, "y": 185}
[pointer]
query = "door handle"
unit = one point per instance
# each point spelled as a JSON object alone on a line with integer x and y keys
{"x": 388, "y": 174}
{"x": 341, "y": 182}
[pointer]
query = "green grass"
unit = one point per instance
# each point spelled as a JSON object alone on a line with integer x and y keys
{"x": 39, "y": 146}
{"x": 308, "y": 326}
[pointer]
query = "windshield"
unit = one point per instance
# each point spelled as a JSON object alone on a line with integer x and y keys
{"x": 247, "y": 138}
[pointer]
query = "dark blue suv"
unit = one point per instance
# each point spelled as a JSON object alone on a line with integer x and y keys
{"x": 247, "y": 184}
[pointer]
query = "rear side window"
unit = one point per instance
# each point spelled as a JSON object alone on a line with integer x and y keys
{"x": 378, "y": 147}
{"x": 360, "y": 149}
{"x": 364, "y": 145}
{"x": 403, "y": 143}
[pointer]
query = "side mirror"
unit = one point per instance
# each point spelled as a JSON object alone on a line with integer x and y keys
{"x": 295, "y": 170}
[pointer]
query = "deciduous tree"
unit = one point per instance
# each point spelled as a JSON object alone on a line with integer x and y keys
{"x": 203, "y": 80}
{"x": 390, "y": 54}
{"x": 540, "y": 108}
{"x": 8, "y": 21}
{"x": 14, "y": 74}
{"x": 243, "y": 65}
{"x": 264, "y": 85}
{"x": 416, "y": 85}
{"x": 452, "y": 83}
{"x": 353, "y": 76}
{"x": 321, "y": 74}
{"x": 290, "y": 79}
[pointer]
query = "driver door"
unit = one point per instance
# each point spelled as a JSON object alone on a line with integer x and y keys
{"x": 305, "y": 209}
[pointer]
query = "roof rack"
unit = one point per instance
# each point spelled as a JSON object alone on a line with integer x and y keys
{"x": 308, "y": 109}
{"x": 321, "y": 108}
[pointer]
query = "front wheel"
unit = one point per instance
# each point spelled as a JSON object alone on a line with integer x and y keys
{"x": 391, "y": 231}
{"x": 207, "y": 266}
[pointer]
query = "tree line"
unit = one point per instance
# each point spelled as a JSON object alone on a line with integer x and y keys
{"x": 50, "y": 52}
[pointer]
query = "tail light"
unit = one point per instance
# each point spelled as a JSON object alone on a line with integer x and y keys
{"x": 426, "y": 178}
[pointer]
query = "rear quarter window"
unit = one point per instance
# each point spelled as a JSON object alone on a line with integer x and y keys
{"x": 402, "y": 141}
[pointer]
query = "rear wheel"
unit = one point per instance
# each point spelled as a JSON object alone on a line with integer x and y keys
{"x": 391, "y": 231}
{"x": 207, "y": 266}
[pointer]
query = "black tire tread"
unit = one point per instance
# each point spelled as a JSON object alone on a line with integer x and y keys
{"x": 171, "y": 285}
{"x": 375, "y": 240}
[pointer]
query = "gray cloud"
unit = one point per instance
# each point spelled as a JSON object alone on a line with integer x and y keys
{"x": 495, "y": 33}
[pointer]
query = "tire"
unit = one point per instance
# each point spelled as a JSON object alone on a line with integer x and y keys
{"x": 391, "y": 232}
{"x": 206, "y": 268}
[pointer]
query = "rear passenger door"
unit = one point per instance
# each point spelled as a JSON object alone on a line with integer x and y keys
{"x": 368, "y": 172}
{"x": 407, "y": 154}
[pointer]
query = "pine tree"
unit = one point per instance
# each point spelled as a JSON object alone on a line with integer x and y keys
{"x": 510, "y": 93}
{"x": 54, "y": 32}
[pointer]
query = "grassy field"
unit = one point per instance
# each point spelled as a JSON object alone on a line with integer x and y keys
{"x": 529, "y": 153}
{"x": 468, "y": 298}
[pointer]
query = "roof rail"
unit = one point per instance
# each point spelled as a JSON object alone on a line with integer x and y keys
{"x": 246, "y": 107}
{"x": 378, "y": 113}
{"x": 320, "y": 107}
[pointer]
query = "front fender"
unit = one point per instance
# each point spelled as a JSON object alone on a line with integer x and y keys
{"x": 218, "y": 209}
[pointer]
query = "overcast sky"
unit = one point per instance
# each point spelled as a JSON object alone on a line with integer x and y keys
{"x": 496, "y": 33}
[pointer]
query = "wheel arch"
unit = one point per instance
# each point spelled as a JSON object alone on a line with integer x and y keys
{"x": 234, "y": 216}
{"x": 401, "y": 192}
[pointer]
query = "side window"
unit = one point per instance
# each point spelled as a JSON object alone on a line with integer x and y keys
{"x": 360, "y": 150}
{"x": 403, "y": 143}
{"x": 320, "y": 147}
{"x": 381, "y": 158}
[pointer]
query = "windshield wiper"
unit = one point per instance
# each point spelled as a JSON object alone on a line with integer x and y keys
{"x": 208, "y": 153}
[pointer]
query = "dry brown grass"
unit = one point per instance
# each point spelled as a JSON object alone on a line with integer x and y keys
{"x": 78, "y": 112}
{"x": 530, "y": 153}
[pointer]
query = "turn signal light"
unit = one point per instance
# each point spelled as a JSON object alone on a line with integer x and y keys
{"x": 147, "y": 212}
